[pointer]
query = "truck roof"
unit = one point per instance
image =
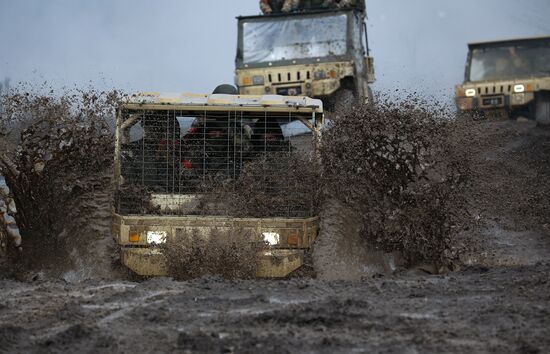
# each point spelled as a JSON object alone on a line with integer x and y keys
{"x": 507, "y": 41}
{"x": 220, "y": 102}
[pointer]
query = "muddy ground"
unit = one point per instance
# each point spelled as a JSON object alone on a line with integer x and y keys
{"x": 477, "y": 310}
{"x": 499, "y": 301}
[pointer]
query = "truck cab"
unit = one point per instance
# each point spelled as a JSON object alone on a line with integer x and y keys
{"x": 320, "y": 53}
{"x": 508, "y": 78}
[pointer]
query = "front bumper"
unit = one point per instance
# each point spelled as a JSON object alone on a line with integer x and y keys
{"x": 311, "y": 80}
{"x": 490, "y": 102}
{"x": 151, "y": 262}
{"x": 294, "y": 236}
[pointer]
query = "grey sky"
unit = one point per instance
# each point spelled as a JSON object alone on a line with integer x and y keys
{"x": 189, "y": 45}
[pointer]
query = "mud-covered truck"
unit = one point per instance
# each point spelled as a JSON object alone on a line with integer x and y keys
{"x": 322, "y": 53}
{"x": 508, "y": 78}
{"x": 173, "y": 150}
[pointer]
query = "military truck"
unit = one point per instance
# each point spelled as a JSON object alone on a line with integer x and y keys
{"x": 170, "y": 146}
{"x": 508, "y": 78}
{"x": 320, "y": 53}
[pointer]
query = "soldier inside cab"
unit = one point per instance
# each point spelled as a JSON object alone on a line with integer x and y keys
{"x": 269, "y": 7}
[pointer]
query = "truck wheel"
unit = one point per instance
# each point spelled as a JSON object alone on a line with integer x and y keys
{"x": 542, "y": 108}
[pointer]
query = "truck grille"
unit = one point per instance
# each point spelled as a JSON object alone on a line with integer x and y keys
{"x": 494, "y": 89}
{"x": 282, "y": 78}
{"x": 497, "y": 101}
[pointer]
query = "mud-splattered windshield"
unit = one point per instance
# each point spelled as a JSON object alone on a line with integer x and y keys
{"x": 498, "y": 63}
{"x": 289, "y": 39}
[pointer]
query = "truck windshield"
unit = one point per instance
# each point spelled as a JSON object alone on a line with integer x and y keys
{"x": 289, "y": 39}
{"x": 509, "y": 62}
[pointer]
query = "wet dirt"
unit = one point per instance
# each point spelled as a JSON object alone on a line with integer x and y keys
{"x": 478, "y": 310}
{"x": 394, "y": 179}
{"x": 230, "y": 253}
{"x": 498, "y": 301}
{"x": 56, "y": 157}
{"x": 510, "y": 197}
{"x": 341, "y": 253}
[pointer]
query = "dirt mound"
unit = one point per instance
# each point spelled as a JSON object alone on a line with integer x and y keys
{"x": 57, "y": 161}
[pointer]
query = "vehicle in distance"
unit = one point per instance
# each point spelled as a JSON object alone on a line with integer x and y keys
{"x": 508, "y": 78}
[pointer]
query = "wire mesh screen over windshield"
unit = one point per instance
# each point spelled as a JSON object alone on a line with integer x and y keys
{"x": 186, "y": 163}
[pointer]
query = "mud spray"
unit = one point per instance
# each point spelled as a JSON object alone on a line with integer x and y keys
{"x": 56, "y": 159}
{"x": 390, "y": 186}
{"x": 394, "y": 174}
{"x": 497, "y": 169}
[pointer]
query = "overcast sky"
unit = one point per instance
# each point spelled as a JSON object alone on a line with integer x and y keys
{"x": 189, "y": 45}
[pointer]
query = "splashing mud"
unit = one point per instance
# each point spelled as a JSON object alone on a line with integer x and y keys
{"x": 57, "y": 158}
{"x": 400, "y": 184}
{"x": 496, "y": 171}
{"x": 395, "y": 179}
{"x": 231, "y": 254}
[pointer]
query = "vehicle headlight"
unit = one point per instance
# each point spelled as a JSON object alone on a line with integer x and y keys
{"x": 271, "y": 238}
{"x": 470, "y": 92}
{"x": 519, "y": 88}
{"x": 157, "y": 237}
{"x": 258, "y": 80}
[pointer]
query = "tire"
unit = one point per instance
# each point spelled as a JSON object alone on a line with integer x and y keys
{"x": 542, "y": 109}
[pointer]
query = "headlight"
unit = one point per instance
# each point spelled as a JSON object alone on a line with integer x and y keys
{"x": 470, "y": 92}
{"x": 519, "y": 88}
{"x": 258, "y": 80}
{"x": 156, "y": 237}
{"x": 271, "y": 238}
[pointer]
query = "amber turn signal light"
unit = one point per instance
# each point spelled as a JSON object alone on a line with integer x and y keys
{"x": 293, "y": 240}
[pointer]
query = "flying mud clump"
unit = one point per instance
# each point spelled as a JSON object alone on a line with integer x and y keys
{"x": 56, "y": 157}
{"x": 396, "y": 165}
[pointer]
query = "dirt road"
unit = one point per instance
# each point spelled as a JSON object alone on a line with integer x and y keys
{"x": 499, "y": 304}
